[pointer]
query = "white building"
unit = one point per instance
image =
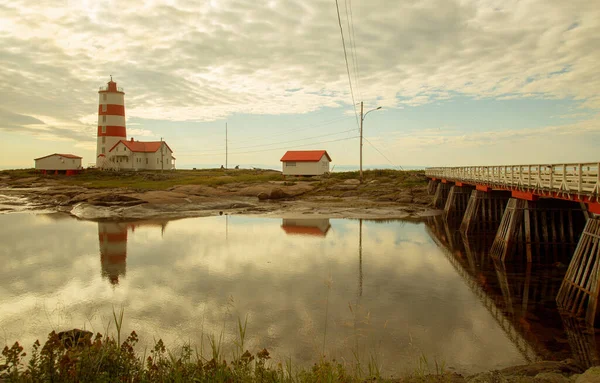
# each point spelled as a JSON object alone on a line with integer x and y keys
{"x": 305, "y": 162}
{"x": 112, "y": 149}
{"x": 137, "y": 155}
{"x": 67, "y": 163}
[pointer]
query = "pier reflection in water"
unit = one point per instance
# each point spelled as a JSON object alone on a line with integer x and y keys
{"x": 520, "y": 296}
{"x": 381, "y": 289}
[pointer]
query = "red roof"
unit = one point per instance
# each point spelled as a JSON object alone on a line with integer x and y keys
{"x": 304, "y": 155}
{"x": 58, "y": 154}
{"x": 305, "y": 230}
{"x": 142, "y": 146}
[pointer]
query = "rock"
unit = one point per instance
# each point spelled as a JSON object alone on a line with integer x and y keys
{"x": 567, "y": 367}
{"x": 263, "y": 196}
{"x": 487, "y": 377}
{"x": 592, "y": 375}
{"x": 551, "y": 377}
{"x": 405, "y": 197}
{"x": 353, "y": 181}
{"x": 75, "y": 338}
{"x": 61, "y": 199}
{"x": 277, "y": 194}
{"x": 343, "y": 187}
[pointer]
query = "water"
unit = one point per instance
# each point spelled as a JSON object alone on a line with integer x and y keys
{"x": 346, "y": 288}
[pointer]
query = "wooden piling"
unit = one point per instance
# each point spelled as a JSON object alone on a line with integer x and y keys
{"x": 509, "y": 229}
{"x": 456, "y": 204}
{"x": 441, "y": 194}
{"x": 581, "y": 337}
{"x": 536, "y": 230}
{"x": 431, "y": 187}
{"x": 581, "y": 285}
{"x": 483, "y": 213}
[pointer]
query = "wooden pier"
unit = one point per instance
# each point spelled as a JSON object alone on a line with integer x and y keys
{"x": 537, "y": 214}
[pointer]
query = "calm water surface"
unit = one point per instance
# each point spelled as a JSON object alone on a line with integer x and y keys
{"x": 339, "y": 287}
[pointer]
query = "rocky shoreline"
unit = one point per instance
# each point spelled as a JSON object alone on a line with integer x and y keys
{"x": 273, "y": 198}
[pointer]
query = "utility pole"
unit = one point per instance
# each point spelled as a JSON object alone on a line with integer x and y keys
{"x": 361, "y": 140}
{"x": 162, "y": 166}
{"x": 362, "y": 118}
{"x": 226, "y": 152}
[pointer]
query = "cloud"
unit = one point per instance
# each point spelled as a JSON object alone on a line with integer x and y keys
{"x": 201, "y": 61}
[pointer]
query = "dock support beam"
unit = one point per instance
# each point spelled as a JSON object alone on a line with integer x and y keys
{"x": 581, "y": 286}
{"x": 456, "y": 203}
{"x": 545, "y": 231}
{"x": 484, "y": 212}
{"x": 432, "y": 186}
{"x": 441, "y": 194}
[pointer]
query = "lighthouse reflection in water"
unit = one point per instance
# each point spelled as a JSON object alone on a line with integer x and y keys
{"x": 113, "y": 246}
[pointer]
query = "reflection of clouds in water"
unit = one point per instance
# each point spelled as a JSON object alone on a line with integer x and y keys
{"x": 200, "y": 275}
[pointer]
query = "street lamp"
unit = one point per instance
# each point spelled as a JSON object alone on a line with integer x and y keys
{"x": 362, "y": 118}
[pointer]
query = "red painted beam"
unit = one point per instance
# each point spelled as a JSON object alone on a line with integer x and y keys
{"x": 524, "y": 195}
{"x": 444, "y": 181}
{"x": 594, "y": 207}
{"x": 483, "y": 188}
{"x": 459, "y": 184}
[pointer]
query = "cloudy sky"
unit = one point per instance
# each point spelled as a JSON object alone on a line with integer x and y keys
{"x": 459, "y": 81}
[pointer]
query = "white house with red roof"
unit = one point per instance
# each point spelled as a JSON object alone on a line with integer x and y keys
{"x": 136, "y": 155}
{"x": 113, "y": 150}
{"x": 64, "y": 163}
{"x": 305, "y": 162}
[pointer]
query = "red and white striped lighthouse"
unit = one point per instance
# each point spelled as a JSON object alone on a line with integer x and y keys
{"x": 111, "y": 119}
{"x": 113, "y": 249}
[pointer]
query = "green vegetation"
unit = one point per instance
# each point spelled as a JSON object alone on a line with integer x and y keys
{"x": 78, "y": 356}
{"x": 156, "y": 180}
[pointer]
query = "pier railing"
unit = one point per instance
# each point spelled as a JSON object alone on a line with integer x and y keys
{"x": 581, "y": 178}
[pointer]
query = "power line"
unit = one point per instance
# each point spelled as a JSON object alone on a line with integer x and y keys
{"x": 328, "y": 122}
{"x": 273, "y": 143}
{"x": 383, "y": 155}
{"x": 352, "y": 45}
{"x": 269, "y": 150}
{"x": 356, "y": 69}
{"x": 346, "y": 58}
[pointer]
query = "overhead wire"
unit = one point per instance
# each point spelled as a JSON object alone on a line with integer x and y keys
{"x": 328, "y": 122}
{"x": 352, "y": 36}
{"x": 268, "y": 150}
{"x": 346, "y": 58}
{"x": 383, "y": 155}
{"x": 273, "y": 143}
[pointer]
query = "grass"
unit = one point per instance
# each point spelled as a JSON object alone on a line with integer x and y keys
{"x": 156, "y": 180}
{"x": 81, "y": 357}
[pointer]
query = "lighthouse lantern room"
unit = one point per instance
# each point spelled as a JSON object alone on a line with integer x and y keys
{"x": 111, "y": 119}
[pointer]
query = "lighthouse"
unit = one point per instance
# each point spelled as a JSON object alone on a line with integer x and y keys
{"x": 111, "y": 119}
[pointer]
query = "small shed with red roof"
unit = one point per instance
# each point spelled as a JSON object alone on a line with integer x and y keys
{"x": 305, "y": 162}
{"x": 57, "y": 162}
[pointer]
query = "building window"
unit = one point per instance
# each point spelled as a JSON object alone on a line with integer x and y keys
{"x": 103, "y": 150}
{"x": 104, "y": 96}
{"x": 104, "y": 129}
{"x": 146, "y": 161}
{"x": 104, "y": 139}
{"x": 104, "y": 119}
{"x": 104, "y": 107}
{"x": 157, "y": 160}
{"x": 288, "y": 164}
